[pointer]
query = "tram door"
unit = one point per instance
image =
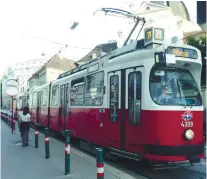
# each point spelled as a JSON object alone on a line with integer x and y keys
{"x": 39, "y": 103}
{"x": 133, "y": 109}
{"x": 64, "y": 101}
{"x": 114, "y": 106}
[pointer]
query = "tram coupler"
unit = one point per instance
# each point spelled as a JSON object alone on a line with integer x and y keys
{"x": 194, "y": 159}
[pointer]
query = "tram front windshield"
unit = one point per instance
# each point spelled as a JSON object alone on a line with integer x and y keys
{"x": 175, "y": 87}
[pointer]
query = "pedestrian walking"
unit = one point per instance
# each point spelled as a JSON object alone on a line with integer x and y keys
{"x": 24, "y": 126}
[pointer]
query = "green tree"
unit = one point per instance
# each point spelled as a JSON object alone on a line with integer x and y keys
{"x": 200, "y": 43}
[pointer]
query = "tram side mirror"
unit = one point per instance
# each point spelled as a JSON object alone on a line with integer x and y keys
{"x": 170, "y": 59}
{"x": 160, "y": 59}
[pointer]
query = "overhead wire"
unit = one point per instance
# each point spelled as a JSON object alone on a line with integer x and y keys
{"x": 58, "y": 43}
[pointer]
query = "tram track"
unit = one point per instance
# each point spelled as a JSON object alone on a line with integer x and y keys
{"x": 194, "y": 169}
{"x": 169, "y": 171}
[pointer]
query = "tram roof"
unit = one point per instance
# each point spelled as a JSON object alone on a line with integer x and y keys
{"x": 136, "y": 45}
{"x": 132, "y": 47}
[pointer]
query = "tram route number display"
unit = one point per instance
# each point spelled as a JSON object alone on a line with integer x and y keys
{"x": 182, "y": 52}
{"x": 187, "y": 123}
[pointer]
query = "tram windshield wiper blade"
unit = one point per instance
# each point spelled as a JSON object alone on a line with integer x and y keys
{"x": 194, "y": 103}
{"x": 178, "y": 84}
{"x": 196, "y": 100}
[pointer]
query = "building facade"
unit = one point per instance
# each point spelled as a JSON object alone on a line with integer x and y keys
{"x": 98, "y": 51}
{"x": 50, "y": 71}
{"x": 22, "y": 72}
{"x": 173, "y": 16}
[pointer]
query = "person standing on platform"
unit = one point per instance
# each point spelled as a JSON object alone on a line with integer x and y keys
{"x": 24, "y": 126}
{"x": 19, "y": 114}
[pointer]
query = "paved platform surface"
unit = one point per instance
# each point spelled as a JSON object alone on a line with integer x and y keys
{"x": 19, "y": 162}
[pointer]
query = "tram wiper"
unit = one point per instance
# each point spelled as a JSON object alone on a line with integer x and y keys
{"x": 178, "y": 84}
{"x": 196, "y": 100}
{"x": 194, "y": 103}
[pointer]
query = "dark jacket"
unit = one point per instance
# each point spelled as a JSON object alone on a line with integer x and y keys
{"x": 24, "y": 127}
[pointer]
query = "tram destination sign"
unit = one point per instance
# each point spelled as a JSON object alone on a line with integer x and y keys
{"x": 157, "y": 34}
{"x": 182, "y": 52}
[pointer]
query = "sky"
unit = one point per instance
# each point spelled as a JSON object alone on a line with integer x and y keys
{"x": 25, "y": 22}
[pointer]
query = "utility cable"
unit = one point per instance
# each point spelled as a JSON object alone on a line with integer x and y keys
{"x": 58, "y": 43}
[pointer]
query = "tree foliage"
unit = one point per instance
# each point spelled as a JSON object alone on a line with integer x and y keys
{"x": 200, "y": 43}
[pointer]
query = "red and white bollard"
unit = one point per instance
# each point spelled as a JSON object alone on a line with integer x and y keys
{"x": 47, "y": 151}
{"x": 36, "y": 138}
{"x": 67, "y": 149}
{"x": 47, "y": 139}
{"x": 100, "y": 163}
{"x": 67, "y": 152}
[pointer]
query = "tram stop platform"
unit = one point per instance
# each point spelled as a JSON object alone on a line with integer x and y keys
{"x": 29, "y": 162}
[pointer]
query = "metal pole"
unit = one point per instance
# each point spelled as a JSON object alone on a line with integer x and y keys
{"x": 36, "y": 137}
{"x": 47, "y": 151}
{"x": 100, "y": 163}
{"x": 12, "y": 115}
{"x": 67, "y": 152}
{"x": 1, "y": 96}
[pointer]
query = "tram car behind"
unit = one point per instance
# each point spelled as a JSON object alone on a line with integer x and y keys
{"x": 139, "y": 101}
{"x": 21, "y": 101}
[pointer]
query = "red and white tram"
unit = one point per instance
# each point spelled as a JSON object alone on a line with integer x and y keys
{"x": 22, "y": 100}
{"x": 140, "y": 101}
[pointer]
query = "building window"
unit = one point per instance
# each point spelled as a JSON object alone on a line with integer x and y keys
{"x": 55, "y": 98}
{"x": 94, "y": 89}
{"x": 76, "y": 92}
{"x": 134, "y": 97}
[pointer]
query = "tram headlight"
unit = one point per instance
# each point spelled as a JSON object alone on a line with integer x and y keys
{"x": 189, "y": 134}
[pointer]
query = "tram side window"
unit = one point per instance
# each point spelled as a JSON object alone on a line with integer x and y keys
{"x": 54, "y": 101}
{"x": 45, "y": 97}
{"x": 114, "y": 98}
{"x": 20, "y": 103}
{"x": 94, "y": 89}
{"x": 62, "y": 96}
{"x": 24, "y": 101}
{"x": 67, "y": 93}
{"x": 76, "y": 92}
{"x": 134, "y": 97}
{"x": 30, "y": 102}
{"x": 34, "y": 100}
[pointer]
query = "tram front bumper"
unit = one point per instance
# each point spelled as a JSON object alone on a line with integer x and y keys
{"x": 191, "y": 152}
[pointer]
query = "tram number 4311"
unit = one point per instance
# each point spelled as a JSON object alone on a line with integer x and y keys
{"x": 187, "y": 123}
